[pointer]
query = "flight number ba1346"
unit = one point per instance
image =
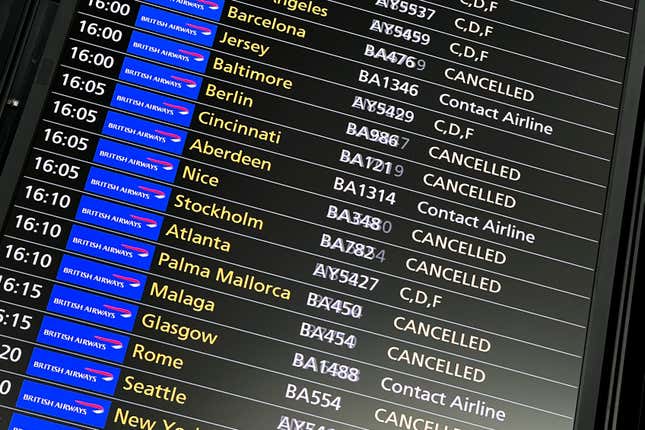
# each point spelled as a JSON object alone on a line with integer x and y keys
{"x": 386, "y": 82}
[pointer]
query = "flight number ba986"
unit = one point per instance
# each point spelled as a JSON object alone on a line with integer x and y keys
{"x": 376, "y": 135}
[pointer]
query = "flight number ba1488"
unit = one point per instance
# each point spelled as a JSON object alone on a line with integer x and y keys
{"x": 326, "y": 367}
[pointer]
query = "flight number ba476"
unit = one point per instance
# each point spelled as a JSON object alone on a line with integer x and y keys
{"x": 395, "y": 57}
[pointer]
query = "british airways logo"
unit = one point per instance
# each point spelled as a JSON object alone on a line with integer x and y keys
{"x": 172, "y": 136}
{"x": 122, "y": 312}
{"x": 112, "y": 343}
{"x": 210, "y": 4}
{"x": 105, "y": 376}
{"x": 188, "y": 82}
{"x": 194, "y": 56}
{"x": 94, "y": 407}
{"x": 146, "y": 221}
{"x": 181, "y": 110}
{"x": 141, "y": 252}
{"x": 133, "y": 282}
{"x": 155, "y": 192}
{"x": 203, "y": 30}
{"x": 166, "y": 165}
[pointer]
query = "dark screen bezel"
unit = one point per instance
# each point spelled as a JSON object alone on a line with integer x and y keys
{"x": 589, "y": 414}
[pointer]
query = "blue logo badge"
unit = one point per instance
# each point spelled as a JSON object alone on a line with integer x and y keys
{"x": 23, "y": 422}
{"x": 83, "y": 339}
{"x": 211, "y": 9}
{"x": 101, "y": 277}
{"x": 73, "y": 371}
{"x": 153, "y": 105}
{"x": 120, "y": 218}
{"x": 169, "y": 52}
{"x": 127, "y": 189}
{"x": 92, "y": 308}
{"x": 110, "y": 247}
{"x": 160, "y": 78}
{"x": 144, "y": 132}
{"x": 63, "y": 404}
{"x": 178, "y": 26}
{"x": 136, "y": 160}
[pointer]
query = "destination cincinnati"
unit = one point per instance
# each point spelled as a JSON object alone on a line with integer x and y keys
{"x": 234, "y": 126}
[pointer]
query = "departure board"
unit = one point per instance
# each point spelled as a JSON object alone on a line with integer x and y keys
{"x": 313, "y": 214}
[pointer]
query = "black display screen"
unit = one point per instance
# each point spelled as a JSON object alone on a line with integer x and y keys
{"x": 294, "y": 214}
